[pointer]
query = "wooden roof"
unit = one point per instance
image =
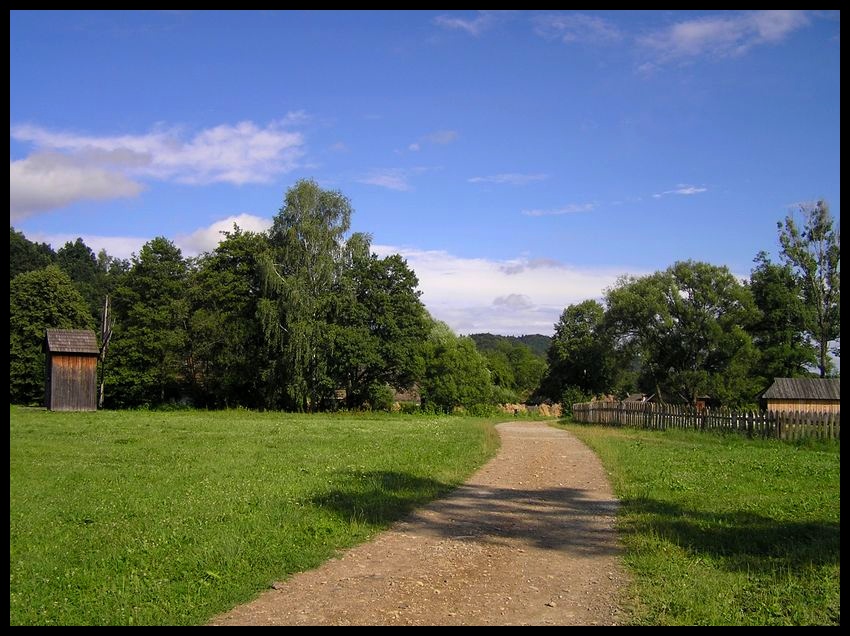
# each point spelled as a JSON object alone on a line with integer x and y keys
{"x": 71, "y": 341}
{"x": 804, "y": 389}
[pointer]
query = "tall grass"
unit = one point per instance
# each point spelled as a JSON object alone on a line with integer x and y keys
{"x": 120, "y": 518}
{"x": 721, "y": 530}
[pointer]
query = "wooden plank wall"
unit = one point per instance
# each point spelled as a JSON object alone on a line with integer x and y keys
{"x": 73, "y": 383}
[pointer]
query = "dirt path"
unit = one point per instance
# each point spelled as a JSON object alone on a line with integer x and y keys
{"x": 529, "y": 539}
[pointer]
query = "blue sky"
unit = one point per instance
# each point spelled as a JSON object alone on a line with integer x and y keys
{"x": 520, "y": 161}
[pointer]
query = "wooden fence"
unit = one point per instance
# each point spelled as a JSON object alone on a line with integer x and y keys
{"x": 786, "y": 425}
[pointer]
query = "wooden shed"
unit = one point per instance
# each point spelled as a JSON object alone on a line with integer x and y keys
{"x": 803, "y": 394}
{"x": 71, "y": 378}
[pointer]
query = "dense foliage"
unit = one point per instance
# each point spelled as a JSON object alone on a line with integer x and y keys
{"x": 306, "y": 317}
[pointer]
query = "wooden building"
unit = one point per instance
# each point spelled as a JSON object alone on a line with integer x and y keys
{"x": 71, "y": 378}
{"x": 811, "y": 395}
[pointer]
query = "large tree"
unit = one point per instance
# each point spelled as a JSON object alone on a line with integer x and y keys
{"x": 686, "y": 330}
{"x": 581, "y": 353}
{"x": 304, "y": 271}
{"x": 228, "y": 360}
{"x": 814, "y": 251}
{"x": 779, "y": 333}
{"x": 456, "y": 374}
{"x": 38, "y": 300}
{"x": 80, "y": 263}
{"x": 148, "y": 351}
{"x": 26, "y": 256}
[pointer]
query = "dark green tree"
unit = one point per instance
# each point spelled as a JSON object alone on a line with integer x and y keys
{"x": 26, "y": 256}
{"x": 38, "y": 300}
{"x": 228, "y": 360}
{"x": 581, "y": 354}
{"x": 686, "y": 329}
{"x": 80, "y": 263}
{"x": 780, "y": 332}
{"x": 814, "y": 251}
{"x": 148, "y": 350}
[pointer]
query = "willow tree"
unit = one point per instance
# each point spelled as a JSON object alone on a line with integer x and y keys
{"x": 303, "y": 275}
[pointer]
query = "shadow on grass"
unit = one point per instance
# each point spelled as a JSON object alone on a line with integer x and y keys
{"x": 738, "y": 540}
{"x": 564, "y": 519}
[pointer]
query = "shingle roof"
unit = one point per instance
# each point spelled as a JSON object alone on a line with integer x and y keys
{"x": 804, "y": 389}
{"x": 71, "y": 341}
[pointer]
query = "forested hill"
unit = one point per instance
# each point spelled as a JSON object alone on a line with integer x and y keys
{"x": 538, "y": 343}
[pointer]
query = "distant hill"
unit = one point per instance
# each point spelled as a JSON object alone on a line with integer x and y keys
{"x": 538, "y": 343}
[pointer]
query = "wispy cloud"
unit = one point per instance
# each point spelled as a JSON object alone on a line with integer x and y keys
{"x": 392, "y": 178}
{"x": 518, "y": 296}
{"x": 482, "y": 21}
{"x": 49, "y": 180}
{"x": 511, "y": 178}
{"x": 683, "y": 189}
{"x": 571, "y": 208}
{"x": 721, "y": 35}
{"x": 438, "y": 138}
{"x": 576, "y": 28}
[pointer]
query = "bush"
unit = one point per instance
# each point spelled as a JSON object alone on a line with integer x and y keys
{"x": 570, "y": 396}
{"x": 381, "y": 397}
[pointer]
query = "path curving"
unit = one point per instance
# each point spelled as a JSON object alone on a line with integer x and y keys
{"x": 528, "y": 540}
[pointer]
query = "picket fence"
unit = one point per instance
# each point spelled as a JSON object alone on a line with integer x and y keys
{"x": 785, "y": 425}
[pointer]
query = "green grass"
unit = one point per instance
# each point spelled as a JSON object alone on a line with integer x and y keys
{"x": 155, "y": 518}
{"x": 721, "y": 530}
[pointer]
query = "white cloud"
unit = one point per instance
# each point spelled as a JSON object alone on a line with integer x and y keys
{"x": 48, "y": 180}
{"x": 722, "y": 35}
{"x": 571, "y": 208}
{"x": 682, "y": 189}
{"x": 475, "y": 26}
{"x": 414, "y": 147}
{"x": 514, "y": 297}
{"x": 392, "y": 179}
{"x": 442, "y": 137}
{"x": 238, "y": 154}
{"x": 339, "y": 147}
{"x": 206, "y": 239}
{"x": 576, "y": 27}
{"x": 511, "y": 178}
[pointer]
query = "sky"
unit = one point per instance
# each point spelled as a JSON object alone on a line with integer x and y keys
{"x": 520, "y": 161}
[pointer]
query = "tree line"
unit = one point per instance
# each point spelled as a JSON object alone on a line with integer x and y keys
{"x": 694, "y": 331}
{"x": 302, "y": 317}
{"x": 305, "y": 317}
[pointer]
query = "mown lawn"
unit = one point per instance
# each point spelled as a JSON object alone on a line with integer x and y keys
{"x": 154, "y": 518}
{"x": 722, "y": 530}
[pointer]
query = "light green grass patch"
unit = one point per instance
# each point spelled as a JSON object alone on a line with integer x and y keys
{"x": 155, "y": 518}
{"x": 722, "y": 530}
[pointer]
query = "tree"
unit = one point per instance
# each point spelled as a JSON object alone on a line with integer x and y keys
{"x": 815, "y": 253}
{"x": 455, "y": 373}
{"x": 26, "y": 256}
{"x": 227, "y": 358}
{"x": 581, "y": 353}
{"x": 302, "y": 274}
{"x": 380, "y": 325}
{"x": 149, "y": 342}
{"x": 780, "y": 332}
{"x": 38, "y": 300}
{"x": 686, "y": 330}
{"x": 80, "y": 263}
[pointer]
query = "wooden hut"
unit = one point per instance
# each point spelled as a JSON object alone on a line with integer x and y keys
{"x": 803, "y": 394}
{"x": 71, "y": 370}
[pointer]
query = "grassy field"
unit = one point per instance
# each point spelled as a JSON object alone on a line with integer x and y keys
{"x": 721, "y": 530}
{"x": 153, "y": 518}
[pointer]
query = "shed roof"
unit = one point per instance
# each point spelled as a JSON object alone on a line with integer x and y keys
{"x": 71, "y": 341}
{"x": 804, "y": 389}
